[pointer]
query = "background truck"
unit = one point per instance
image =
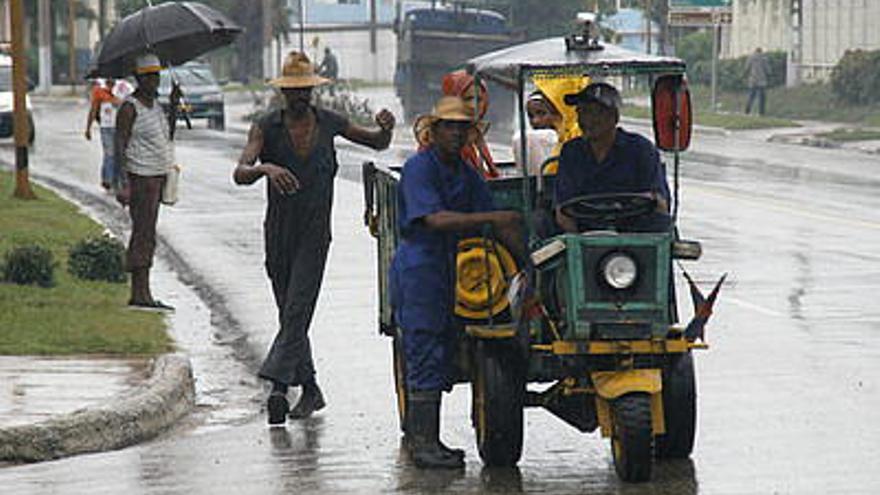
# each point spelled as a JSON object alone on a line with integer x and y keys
{"x": 432, "y": 41}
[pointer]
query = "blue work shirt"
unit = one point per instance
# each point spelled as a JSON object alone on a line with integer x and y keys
{"x": 632, "y": 166}
{"x": 422, "y": 274}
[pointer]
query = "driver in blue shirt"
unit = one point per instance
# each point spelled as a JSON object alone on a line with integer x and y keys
{"x": 440, "y": 198}
{"x": 607, "y": 159}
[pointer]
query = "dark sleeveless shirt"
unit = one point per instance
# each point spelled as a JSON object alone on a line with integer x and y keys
{"x": 304, "y": 215}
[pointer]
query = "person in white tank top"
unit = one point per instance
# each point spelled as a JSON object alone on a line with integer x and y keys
{"x": 144, "y": 153}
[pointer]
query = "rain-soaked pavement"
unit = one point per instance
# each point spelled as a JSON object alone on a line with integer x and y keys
{"x": 787, "y": 393}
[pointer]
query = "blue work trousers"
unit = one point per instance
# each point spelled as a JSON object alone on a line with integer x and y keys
{"x": 430, "y": 359}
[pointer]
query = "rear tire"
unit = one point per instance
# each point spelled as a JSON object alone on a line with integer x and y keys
{"x": 679, "y": 409}
{"x": 631, "y": 439}
{"x": 32, "y": 131}
{"x": 498, "y": 394}
{"x": 216, "y": 123}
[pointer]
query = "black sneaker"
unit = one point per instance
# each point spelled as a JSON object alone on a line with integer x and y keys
{"x": 277, "y": 407}
{"x": 310, "y": 401}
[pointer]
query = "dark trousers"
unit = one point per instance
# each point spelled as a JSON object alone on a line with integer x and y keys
{"x": 760, "y": 93}
{"x": 296, "y": 282}
{"x": 144, "y": 211}
{"x": 429, "y": 358}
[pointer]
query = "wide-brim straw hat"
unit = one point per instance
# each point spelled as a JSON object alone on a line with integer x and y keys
{"x": 298, "y": 72}
{"x": 452, "y": 108}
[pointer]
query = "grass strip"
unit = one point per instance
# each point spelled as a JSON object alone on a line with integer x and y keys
{"x": 75, "y": 316}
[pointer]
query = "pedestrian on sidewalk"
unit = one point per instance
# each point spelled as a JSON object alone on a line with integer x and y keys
{"x": 144, "y": 151}
{"x": 757, "y": 73}
{"x": 103, "y": 110}
{"x": 440, "y": 198}
{"x": 329, "y": 68}
{"x": 294, "y": 145}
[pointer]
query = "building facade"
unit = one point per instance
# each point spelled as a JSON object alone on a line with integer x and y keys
{"x": 828, "y": 28}
{"x": 359, "y": 32}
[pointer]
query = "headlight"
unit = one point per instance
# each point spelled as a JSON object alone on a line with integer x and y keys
{"x": 620, "y": 271}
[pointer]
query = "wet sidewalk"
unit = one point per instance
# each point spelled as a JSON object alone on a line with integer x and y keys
{"x": 34, "y": 389}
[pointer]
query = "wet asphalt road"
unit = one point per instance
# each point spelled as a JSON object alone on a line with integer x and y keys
{"x": 787, "y": 392}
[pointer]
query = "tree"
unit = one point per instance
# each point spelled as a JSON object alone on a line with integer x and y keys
{"x": 541, "y": 19}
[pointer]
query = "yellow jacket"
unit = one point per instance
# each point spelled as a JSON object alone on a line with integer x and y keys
{"x": 554, "y": 90}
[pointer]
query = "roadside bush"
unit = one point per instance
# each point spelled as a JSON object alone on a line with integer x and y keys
{"x": 97, "y": 258}
{"x": 29, "y": 265}
{"x": 856, "y": 77}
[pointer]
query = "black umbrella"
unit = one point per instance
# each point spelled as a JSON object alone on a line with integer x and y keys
{"x": 176, "y": 32}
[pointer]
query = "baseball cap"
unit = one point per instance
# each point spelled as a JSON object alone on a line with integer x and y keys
{"x": 147, "y": 63}
{"x": 601, "y": 92}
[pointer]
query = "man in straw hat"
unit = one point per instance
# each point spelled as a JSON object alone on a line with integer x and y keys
{"x": 294, "y": 146}
{"x": 440, "y": 197}
{"x": 143, "y": 150}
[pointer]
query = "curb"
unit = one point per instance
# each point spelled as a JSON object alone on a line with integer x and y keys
{"x": 135, "y": 416}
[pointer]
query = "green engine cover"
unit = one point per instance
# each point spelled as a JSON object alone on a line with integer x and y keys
{"x": 590, "y": 308}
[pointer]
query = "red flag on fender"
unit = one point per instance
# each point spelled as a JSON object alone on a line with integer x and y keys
{"x": 702, "y": 307}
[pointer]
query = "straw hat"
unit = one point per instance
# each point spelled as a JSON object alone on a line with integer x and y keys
{"x": 451, "y": 108}
{"x": 298, "y": 72}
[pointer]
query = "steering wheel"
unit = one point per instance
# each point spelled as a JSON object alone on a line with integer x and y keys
{"x": 609, "y": 207}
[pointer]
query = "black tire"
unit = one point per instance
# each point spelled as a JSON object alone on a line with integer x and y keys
{"x": 400, "y": 380}
{"x": 498, "y": 393}
{"x": 631, "y": 440}
{"x": 217, "y": 123}
{"x": 33, "y": 132}
{"x": 679, "y": 409}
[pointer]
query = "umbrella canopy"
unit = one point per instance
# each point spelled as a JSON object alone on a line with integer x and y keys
{"x": 552, "y": 55}
{"x": 176, "y": 32}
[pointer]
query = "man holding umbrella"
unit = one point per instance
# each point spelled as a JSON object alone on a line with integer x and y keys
{"x": 294, "y": 146}
{"x": 144, "y": 153}
{"x": 171, "y": 34}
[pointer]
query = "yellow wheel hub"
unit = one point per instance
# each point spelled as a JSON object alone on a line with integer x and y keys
{"x": 483, "y": 268}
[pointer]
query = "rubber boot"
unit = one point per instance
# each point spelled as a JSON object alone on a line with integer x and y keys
{"x": 423, "y": 431}
{"x": 407, "y": 437}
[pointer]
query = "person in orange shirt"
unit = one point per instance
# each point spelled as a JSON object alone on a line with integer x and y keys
{"x": 103, "y": 110}
{"x": 475, "y": 152}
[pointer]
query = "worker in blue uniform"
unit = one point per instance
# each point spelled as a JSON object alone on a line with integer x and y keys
{"x": 440, "y": 199}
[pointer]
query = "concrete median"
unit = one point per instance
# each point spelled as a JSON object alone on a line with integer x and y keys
{"x": 138, "y": 415}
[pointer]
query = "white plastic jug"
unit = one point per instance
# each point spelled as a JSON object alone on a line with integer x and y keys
{"x": 169, "y": 191}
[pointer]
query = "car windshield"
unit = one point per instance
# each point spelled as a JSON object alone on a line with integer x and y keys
{"x": 5, "y": 78}
{"x": 189, "y": 76}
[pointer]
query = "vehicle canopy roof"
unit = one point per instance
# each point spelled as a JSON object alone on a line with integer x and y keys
{"x": 551, "y": 55}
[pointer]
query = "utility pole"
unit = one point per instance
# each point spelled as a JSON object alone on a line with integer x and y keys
{"x": 302, "y": 27}
{"x": 796, "y": 44}
{"x": 44, "y": 28}
{"x": 71, "y": 44}
{"x": 648, "y": 17}
{"x": 102, "y": 18}
{"x": 19, "y": 103}
{"x": 373, "y": 27}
